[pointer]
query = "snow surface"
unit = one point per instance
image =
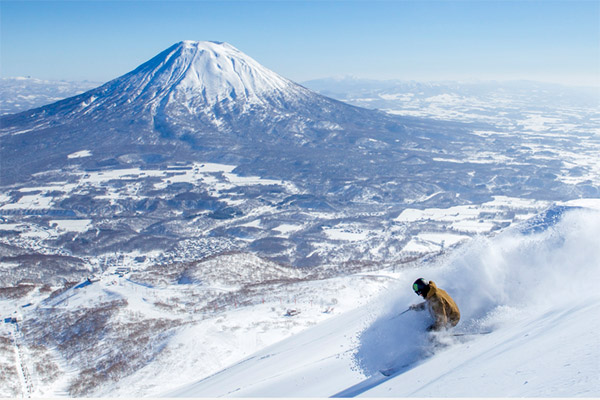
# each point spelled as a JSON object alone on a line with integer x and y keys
{"x": 198, "y": 75}
{"x": 80, "y": 154}
{"x": 534, "y": 286}
{"x": 219, "y": 68}
{"x": 72, "y": 225}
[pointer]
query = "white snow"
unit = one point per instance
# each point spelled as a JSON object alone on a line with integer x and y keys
{"x": 219, "y": 68}
{"x": 253, "y": 224}
{"x": 216, "y": 178}
{"x": 473, "y": 226}
{"x": 428, "y": 242}
{"x": 537, "y": 122}
{"x": 80, "y": 154}
{"x": 220, "y": 339}
{"x": 585, "y": 203}
{"x": 72, "y": 225}
{"x": 346, "y": 232}
{"x": 34, "y": 201}
{"x": 470, "y": 218}
{"x": 447, "y": 239}
{"x": 288, "y": 228}
{"x": 202, "y": 74}
{"x": 415, "y": 246}
{"x": 536, "y": 291}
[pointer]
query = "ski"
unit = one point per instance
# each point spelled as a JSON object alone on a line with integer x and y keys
{"x": 388, "y": 372}
{"x": 471, "y": 333}
{"x": 393, "y": 370}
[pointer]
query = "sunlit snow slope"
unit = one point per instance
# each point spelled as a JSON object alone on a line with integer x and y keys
{"x": 533, "y": 286}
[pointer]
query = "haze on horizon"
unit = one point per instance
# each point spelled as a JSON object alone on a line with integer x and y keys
{"x": 555, "y": 41}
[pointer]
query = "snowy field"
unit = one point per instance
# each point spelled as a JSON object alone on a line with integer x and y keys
{"x": 532, "y": 287}
{"x": 215, "y": 177}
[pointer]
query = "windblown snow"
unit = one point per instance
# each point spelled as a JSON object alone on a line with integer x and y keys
{"x": 532, "y": 286}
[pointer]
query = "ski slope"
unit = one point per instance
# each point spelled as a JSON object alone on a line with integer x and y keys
{"x": 533, "y": 286}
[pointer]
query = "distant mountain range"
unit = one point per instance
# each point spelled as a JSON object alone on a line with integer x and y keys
{"x": 24, "y": 93}
{"x": 502, "y": 103}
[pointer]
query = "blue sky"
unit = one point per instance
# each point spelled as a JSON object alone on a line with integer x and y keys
{"x": 556, "y": 41}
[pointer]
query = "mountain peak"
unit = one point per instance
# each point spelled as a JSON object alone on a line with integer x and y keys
{"x": 208, "y": 73}
{"x": 197, "y": 84}
{"x": 200, "y": 46}
{"x": 202, "y": 43}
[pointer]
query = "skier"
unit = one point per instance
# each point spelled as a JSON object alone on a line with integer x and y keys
{"x": 442, "y": 308}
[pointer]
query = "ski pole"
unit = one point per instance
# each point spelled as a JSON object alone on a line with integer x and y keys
{"x": 403, "y": 312}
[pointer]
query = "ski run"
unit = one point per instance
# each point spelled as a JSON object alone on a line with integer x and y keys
{"x": 533, "y": 287}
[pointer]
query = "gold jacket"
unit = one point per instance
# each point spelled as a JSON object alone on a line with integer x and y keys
{"x": 442, "y": 308}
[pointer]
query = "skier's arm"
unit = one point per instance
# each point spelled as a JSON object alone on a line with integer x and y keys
{"x": 417, "y": 307}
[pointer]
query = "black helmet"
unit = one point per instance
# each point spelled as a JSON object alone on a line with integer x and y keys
{"x": 421, "y": 287}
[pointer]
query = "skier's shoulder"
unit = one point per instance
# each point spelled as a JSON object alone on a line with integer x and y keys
{"x": 433, "y": 290}
{"x": 436, "y": 293}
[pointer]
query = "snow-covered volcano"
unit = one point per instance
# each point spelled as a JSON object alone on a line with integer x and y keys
{"x": 206, "y": 73}
{"x": 179, "y": 105}
{"x": 193, "y": 77}
{"x": 189, "y": 78}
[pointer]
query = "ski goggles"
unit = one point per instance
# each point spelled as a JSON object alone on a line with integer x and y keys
{"x": 419, "y": 289}
{"x": 416, "y": 289}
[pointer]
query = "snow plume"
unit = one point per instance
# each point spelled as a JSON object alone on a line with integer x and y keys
{"x": 531, "y": 268}
{"x": 544, "y": 266}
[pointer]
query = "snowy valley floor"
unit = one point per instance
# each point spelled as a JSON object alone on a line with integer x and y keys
{"x": 533, "y": 286}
